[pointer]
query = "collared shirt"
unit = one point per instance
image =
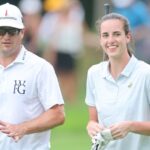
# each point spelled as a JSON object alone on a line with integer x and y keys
{"x": 123, "y": 99}
{"x": 28, "y": 87}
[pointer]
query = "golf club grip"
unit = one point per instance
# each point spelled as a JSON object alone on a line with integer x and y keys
{"x": 107, "y": 8}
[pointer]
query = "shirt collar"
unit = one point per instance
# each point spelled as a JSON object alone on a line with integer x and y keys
{"x": 105, "y": 68}
{"x": 127, "y": 70}
{"x": 130, "y": 66}
{"x": 21, "y": 56}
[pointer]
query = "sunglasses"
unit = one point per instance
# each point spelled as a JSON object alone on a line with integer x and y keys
{"x": 10, "y": 31}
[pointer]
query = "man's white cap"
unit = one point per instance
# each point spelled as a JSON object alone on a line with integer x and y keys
{"x": 10, "y": 16}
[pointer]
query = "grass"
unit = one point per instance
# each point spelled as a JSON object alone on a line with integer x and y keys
{"x": 73, "y": 135}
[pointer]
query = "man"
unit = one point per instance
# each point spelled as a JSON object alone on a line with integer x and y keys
{"x": 118, "y": 90}
{"x": 31, "y": 102}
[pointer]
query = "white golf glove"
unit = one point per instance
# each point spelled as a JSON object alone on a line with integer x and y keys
{"x": 100, "y": 141}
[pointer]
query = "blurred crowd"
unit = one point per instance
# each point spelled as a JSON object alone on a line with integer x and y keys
{"x": 138, "y": 12}
{"x": 54, "y": 30}
{"x": 57, "y": 31}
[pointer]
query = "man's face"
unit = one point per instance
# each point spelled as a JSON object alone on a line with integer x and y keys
{"x": 113, "y": 39}
{"x": 10, "y": 40}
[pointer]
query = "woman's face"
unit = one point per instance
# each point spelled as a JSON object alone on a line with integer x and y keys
{"x": 113, "y": 39}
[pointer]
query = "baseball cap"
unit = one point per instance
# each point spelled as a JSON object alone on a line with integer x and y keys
{"x": 10, "y": 16}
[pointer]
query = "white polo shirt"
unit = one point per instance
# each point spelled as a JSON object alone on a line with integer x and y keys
{"x": 127, "y": 98}
{"x": 28, "y": 87}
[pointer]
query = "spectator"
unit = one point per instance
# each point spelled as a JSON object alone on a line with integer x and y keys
{"x": 61, "y": 33}
{"x": 32, "y": 18}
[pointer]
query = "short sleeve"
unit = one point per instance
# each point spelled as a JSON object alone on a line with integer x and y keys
{"x": 89, "y": 98}
{"x": 148, "y": 85}
{"x": 48, "y": 87}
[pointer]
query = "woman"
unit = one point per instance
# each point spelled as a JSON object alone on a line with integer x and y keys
{"x": 118, "y": 89}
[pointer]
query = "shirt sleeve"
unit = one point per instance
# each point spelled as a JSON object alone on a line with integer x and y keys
{"x": 89, "y": 99}
{"x": 148, "y": 86}
{"x": 48, "y": 87}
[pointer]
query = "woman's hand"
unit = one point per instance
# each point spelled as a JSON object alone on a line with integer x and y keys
{"x": 120, "y": 130}
{"x": 93, "y": 128}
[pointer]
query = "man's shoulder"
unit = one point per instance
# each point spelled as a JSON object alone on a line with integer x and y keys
{"x": 35, "y": 60}
{"x": 33, "y": 57}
